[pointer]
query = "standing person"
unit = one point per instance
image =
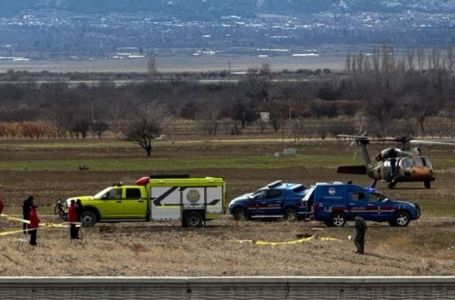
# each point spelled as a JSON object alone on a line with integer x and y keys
{"x": 34, "y": 224}
{"x": 360, "y": 230}
{"x": 72, "y": 218}
{"x": 79, "y": 211}
{"x": 26, "y": 212}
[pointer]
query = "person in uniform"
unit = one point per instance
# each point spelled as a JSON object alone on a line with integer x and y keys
{"x": 79, "y": 211}
{"x": 34, "y": 224}
{"x": 360, "y": 230}
{"x": 72, "y": 219}
{"x": 26, "y": 205}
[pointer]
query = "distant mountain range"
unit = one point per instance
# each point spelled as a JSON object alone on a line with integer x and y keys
{"x": 41, "y": 29}
{"x": 215, "y": 8}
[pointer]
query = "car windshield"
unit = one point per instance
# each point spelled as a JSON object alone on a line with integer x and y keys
{"x": 298, "y": 188}
{"x": 100, "y": 194}
{"x": 260, "y": 193}
{"x": 377, "y": 197}
{"x": 308, "y": 193}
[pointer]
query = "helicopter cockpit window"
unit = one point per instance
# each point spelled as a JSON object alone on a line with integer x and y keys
{"x": 419, "y": 162}
{"x": 424, "y": 162}
{"x": 407, "y": 163}
{"x": 358, "y": 196}
{"x": 428, "y": 163}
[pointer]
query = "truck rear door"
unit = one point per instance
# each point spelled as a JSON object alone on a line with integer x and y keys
{"x": 134, "y": 203}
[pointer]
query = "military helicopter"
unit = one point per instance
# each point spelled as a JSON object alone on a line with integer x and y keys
{"x": 394, "y": 164}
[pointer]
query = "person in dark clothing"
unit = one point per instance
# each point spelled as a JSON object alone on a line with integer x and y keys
{"x": 72, "y": 219}
{"x": 26, "y": 212}
{"x": 34, "y": 224}
{"x": 360, "y": 229}
{"x": 79, "y": 211}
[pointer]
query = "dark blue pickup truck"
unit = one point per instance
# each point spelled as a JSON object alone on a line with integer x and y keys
{"x": 335, "y": 203}
{"x": 276, "y": 200}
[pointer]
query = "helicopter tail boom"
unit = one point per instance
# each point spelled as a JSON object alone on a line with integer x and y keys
{"x": 361, "y": 170}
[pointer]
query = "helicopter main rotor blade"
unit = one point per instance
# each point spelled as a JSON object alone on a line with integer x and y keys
{"x": 352, "y": 137}
{"x": 431, "y": 142}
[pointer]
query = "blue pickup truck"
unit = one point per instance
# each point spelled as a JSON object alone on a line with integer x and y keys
{"x": 276, "y": 200}
{"x": 336, "y": 203}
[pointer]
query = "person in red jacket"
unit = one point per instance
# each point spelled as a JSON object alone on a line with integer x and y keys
{"x": 72, "y": 219}
{"x": 34, "y": 224}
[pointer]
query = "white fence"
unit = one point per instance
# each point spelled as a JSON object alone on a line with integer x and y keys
{"x": 100, "y": 288}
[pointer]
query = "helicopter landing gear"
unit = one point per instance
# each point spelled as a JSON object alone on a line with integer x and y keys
{"x": 427, "y": 184}
{"x": 373, "y": 184}
{"x": 392, "y": 185}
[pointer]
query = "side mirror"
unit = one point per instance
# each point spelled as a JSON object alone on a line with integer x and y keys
{"x": 385, "y": 200}
{"x": 104, "y": 197}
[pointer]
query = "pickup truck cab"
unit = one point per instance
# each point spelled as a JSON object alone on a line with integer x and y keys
{"x": 336, "y": 203}
{"x": 276, "y": 200}
{"x": 155, "y": 198}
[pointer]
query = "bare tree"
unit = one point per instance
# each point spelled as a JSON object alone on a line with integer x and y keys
{"x": 410, "y": 55}
{"x": 297, "y": 128}
{"x": 435, "y": 59}
{"x": 376, "y": 59}
{"x": 450, "y": 59}
{"x": 144, "y": 129}
{"x": 348, "y": 63}
{"x": 421, "y": 58}
{"x": 422, "y": 108}
{"x": 360, "y": 62}
{"x": 258, "y": 84}
{"x": 151, "y": 68}
{"x": 99, "y": 127}
{"x": 209, "y": 118}
{"x": 81, "y": 126}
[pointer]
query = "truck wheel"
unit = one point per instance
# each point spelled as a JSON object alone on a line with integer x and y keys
{"x": 88, "y": 219}
{"x": 240, "y": 214}
{"x": 338, "y": 219}
{"x": 290, "y": 214}
{"x": 401, "y": 219}
{"x": 193, "y": 219}
{"x": 427, "y": 184}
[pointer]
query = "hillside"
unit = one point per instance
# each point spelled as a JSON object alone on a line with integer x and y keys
{"x": 216, "y": 8}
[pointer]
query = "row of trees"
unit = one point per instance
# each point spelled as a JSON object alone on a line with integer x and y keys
{"x": 388, "y": 90}
{"x": 50, "y": 129}
{"x": 416, "y": 85}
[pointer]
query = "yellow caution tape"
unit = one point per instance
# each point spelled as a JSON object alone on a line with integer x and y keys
{"x": 44, "y": 224}
{"x": 15, "y": 219}
{"x": 3, "y": 233}
{"x": 299, "y": 241}
{"x": 55, "y": 225}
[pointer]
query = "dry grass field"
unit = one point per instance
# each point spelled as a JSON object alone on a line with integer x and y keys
{"x": 49, "y": 170}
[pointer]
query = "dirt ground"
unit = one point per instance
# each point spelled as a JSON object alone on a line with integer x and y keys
{"x": 225, "y": 246}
